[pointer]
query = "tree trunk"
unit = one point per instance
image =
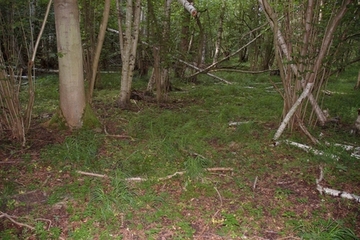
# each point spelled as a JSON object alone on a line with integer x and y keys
{"x": 71, "y": 77}
{"x": 220, "y": 32}
{"x": 100, "y": 42}
{"x": 358, "y": 81}
{"x": 128, "y": 46}
{"x": 184, "y": 43}
{"x": 303, "y": 66}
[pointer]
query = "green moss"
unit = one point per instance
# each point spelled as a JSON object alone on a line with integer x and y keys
{"x": 90, "y": 121}
{"x": 57, "y": 121}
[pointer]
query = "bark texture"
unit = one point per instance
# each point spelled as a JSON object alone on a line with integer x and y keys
{"x": 128, "y": 46}
{"x": 71, "y": 77}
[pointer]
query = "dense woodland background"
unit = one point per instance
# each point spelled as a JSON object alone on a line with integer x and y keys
{"x": 313, "y": 40}
{"x": 141, "y": 119}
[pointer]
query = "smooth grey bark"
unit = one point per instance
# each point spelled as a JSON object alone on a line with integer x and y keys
{"x": 71, "y": 76}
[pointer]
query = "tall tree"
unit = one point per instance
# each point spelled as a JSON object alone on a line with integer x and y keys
{"x": 71, "y": 77}
{"x": 128, "y": 46}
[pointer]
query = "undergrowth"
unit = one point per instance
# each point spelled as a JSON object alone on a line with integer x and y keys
{"x": 256, "y": 189}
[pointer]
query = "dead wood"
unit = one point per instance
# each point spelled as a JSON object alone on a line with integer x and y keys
{"x": 333, "y": 192}
{"x": 211, "y": 75}
{"x": 140, "y": 179}
{"x": 11, "y": 218}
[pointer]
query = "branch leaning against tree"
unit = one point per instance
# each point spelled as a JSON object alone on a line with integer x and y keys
{"x": 310, "y": 77}
{"x": 269, "y": 13}
{"x": 211, "y": 75}
{"x": 232, "y": 54}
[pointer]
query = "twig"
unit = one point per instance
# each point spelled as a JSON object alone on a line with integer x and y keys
{"x": 255, "y": 181}
{"x": 277, "y": 89}
{"x": 219, "y": 169}
{"x": 172, "y": 175}
{"x": 47, "y": 220}
{"x": 11, "y": 218}
{"x": 116, "y": 135}
{"x": 93, "y": 174}
{"x": 46, "y": 180}
{"x": 221, "y": 203}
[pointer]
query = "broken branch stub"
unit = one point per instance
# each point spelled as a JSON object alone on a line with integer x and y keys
{"x": 189, "y": 7}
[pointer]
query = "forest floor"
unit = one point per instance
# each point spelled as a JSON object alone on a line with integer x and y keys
{"x": 201, "y": 165}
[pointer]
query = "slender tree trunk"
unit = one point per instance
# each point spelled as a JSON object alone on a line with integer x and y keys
{"x": 184, "y": 43}
{"x": 312, "y": 68}
{"x": 71, "y": 77}
{"x": 128, "y": 46}
{"x": 220, "y": 32}
{"x": 99, "y": 45}
{"x": 358, "y": 81}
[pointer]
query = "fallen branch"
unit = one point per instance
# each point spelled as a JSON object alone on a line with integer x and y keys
{"x": 140, "y": 179}
{"x": 310, "y": 149}
{"x": 117, "y": 135}
{"x": 238, "y": 70}
{"x": 11, "y": 218}
{"x": 231, "y": 124}
{"x": 172, "y": 175}
{"x": 93, "y": 174}
{"x": 232, "y": 54}
{"x": 333, "y": 192}
{"x": 211, "y": 75}
{"x": 356, "y": 150}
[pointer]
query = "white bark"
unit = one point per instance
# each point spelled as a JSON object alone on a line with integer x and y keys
{"x": 189, "y": 7}
{"x": 220, "y": 32}
{"x": 357, "y": 122}
{"x": 294, "y": 68}
{"x": 333, "y": 192}
{"x": 292, "y": 111}
{"x": 311, "y": 150}
{"x": 128, "y": 46}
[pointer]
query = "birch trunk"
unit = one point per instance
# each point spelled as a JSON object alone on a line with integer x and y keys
{"x": 128, "y": 46}
{"x": 220, "y": 32}
{"x": 312, "y": 68}
{"x": 71, "y": 78}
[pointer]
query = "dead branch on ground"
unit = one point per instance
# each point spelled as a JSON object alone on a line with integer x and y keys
{"x": 11, "y": 218}
{"x": 333, "y": 192}
{"x": 117, "y": 135}
{"x": 140, "y": 179}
